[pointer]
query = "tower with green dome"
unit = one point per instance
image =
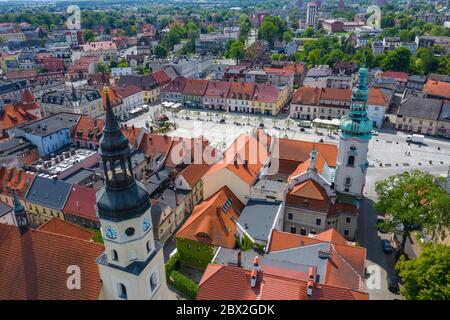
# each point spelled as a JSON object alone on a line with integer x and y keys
{"x": 355, "y": 134}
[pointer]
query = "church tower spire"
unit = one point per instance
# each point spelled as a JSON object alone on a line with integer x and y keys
{"x": 356, "y": 132}
{"x": 20, "y": 214}
{"x": 132, "y": 266}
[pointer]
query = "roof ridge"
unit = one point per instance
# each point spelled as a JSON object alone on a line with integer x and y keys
{"x": 361, "y": 281}
{"x": 10, "y": 227}
{"x": 69, "y": 237}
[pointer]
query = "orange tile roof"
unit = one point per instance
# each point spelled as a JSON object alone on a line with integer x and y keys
{"x": 396, "y": 75}
{"x": 35, "y": 265}
{"x": 209, "y": 224}
{"x": 81, "y": 202}
{"x": 132, "y": 133}
{"x": 300, "y": 151}
{"x": 195, "y": 87}
{"x": 161, "y": 77}
{"x": 152, "y": 144}
{"x": 248, "y": 148}
{"x": 13, "y": 116}
{"x": 265, "y": 93}
{"x": 194, "y": 172}
{"x": 286, "y": 72}
{"x": 378, "y": 98}
{"x": 61, "y": 227}
{"x": 220, "y": 282}
{"x": 307, "y": 96}
{"x": 241, "y": 90}
{"x": 303, "y": 167}
{"x": 309, "y": 189}
{"x": 437, "y": 88}
{"x": 15, "y": 179}
{"x": 184, "y": 150}
{"x": 88, "y": 128}
{"x": 114, "y": 97}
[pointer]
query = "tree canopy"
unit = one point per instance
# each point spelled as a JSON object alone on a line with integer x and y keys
{"x": 412, "y": 201}
{"x": 426, "y": 277}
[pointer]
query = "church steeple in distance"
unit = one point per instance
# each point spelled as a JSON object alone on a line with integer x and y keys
{"x": 20, "y": 214}
{"x": 121, "y": 198}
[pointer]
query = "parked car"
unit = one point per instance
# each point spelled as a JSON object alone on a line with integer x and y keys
{"x": 222, "y": 121}
{"x": 374, "y": 133}
{"x": 392, "y": 282}
{"x": 386, "y": 246}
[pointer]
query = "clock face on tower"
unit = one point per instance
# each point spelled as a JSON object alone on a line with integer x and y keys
{"x": 111, "y": 232}
{"x": 146, "y": 224}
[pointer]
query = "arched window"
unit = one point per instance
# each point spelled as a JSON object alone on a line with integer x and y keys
{"x": 153, "y": 281}
{"x": 115, "y": 256}
{"x": 351, "y": 161}
{"x": 122, "y": 291}
{"x": 348, "y": 181}
{"x": 149, "y": 246}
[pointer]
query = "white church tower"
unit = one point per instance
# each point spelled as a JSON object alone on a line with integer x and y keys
{"x": 132, "y": 266}
{"x": 356, "y": 132}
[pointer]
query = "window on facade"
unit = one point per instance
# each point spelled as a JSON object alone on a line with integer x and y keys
{"x": 348, "y": 181}
{"x": 149, "y": 246}
{"x": 318, "y": 222}
{"x": 115, "y": 256}
{"x": 303, "y": 231}
{"x": 293, "y": 230}
{"x": 122, "y": 291}
{"x": 290, "y": 216}
{"x": 153, "y": 281}
{"x": 348, "y": 219}
{"x": 346, "y": 232}
{"x": 313, "y": 231}
{"x": 351, "y": 161}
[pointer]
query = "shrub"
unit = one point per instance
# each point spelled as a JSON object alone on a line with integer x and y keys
{"x": 172, "y": 264}
{"x": 183, "y": 284}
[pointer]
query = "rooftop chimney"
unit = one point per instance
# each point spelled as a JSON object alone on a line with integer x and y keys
{"x": 312, "y": 273}
{"x": 256, "y": 263}
{"x": 239, "y": 258}
{"x": 253, "y": 278}
{"x": 309, "y": 290}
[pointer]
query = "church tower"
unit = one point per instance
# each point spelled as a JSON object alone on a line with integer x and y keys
{"x": 356, "y": 132}
{"x": 132, "y": 266}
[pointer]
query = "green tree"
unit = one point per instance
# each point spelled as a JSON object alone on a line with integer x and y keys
{"x": 309, "y": 32}
{"x": 210, "y": 29}
{"x": 412, "y": 201}
{"x": 244, "y": 24}
{"x": 426, "y": 277}
{"x": 314, "y": 57}
{"x": 88, "y": 35}
{"x": 237, "y": 51}
{"x": 398, "y": 59}
{"x": 160, "y": 51}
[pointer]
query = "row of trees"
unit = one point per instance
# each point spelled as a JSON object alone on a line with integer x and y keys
{"x": 415, "y": 201}
{"x": 274, "y": 28}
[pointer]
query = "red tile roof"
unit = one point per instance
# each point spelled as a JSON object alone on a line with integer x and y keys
{"x": 241, "y": 90}
{"x": 209, "y": 223}
{"x": 246, "y": 148}
{"x": 401, "y": 76}
{"x": 64, "y": 228}
{"x": 218, "y": 89}
{"x": 176, "y": 86}
{"x": 285, "y": 72}
{"x": 221, "y": 282}
{"x": 152, "y": 144}
{"x": 334, "y": 94}
{"x": 15, "y": 179}
{"x": 81, "y": 203}
{"x": 307, "y": 96}
{"x": 195, "y": 87}
{"x": 35, "y": 265}
{"x": 114, "y": 97}
{"x": 265, "y": 93}
{"x": 13, "y": 116}
{"x": 437, "y": 88}
{"x": 161, "y": 76}
{"x": 300, "y": 151}
{"x": 126, "y": 91}
{"x": 132, "y": 133}
{"x": 184, "y": 151}
{"x": 378, "y": 98}
{"x": 194, "y": 172}
{"x": 88, "y": 129}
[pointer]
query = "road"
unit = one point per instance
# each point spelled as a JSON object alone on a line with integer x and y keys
{"x": 370, "y": 238}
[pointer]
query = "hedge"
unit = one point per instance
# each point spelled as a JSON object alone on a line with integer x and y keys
{"x": 172, "y": 264}
{"x": 184, "y": 284}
